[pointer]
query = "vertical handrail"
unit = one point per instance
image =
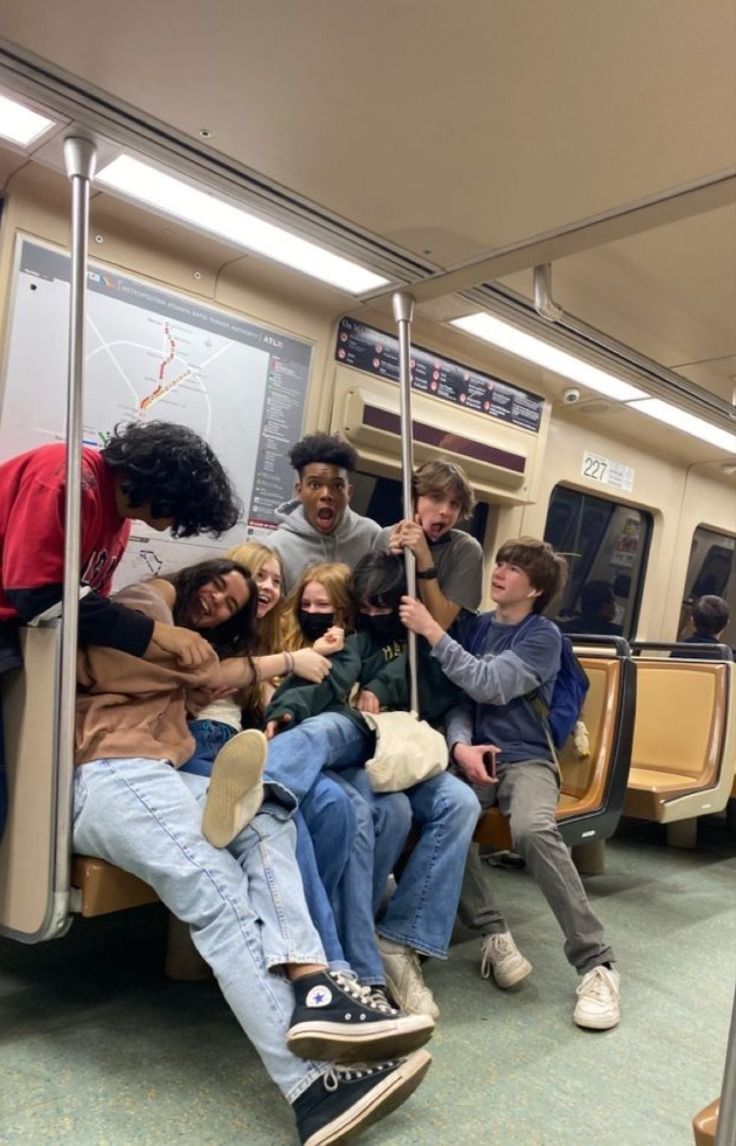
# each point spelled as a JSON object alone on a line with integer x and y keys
{"x": 726, "y": 1130}
{"x": 403, "y": 308}
{"x": 79, "y": 159}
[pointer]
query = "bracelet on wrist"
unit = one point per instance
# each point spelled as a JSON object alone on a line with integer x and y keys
{"x": 289, "y": 659}
{"x": 427, "y": 574}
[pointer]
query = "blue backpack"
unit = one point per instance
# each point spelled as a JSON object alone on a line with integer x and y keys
{"x": 570, "y": 687}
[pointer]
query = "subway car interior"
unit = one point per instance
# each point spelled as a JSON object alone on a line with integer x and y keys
{"x": 548, "y": 190}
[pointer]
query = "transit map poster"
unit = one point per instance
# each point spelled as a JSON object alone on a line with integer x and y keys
{"x": 156, "y": 354}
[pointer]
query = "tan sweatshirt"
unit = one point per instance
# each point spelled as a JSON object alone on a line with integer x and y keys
{"x": 127, "y": 706}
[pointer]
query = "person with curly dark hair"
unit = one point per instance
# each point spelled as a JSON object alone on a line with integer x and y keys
{"x": 173, "y": 472}
{"x": 162, "y": 474}
{"x": 317, "y": 525}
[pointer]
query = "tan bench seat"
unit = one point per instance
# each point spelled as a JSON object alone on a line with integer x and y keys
{"x": 103, "y": 888}
{"x": 682, "y": 760}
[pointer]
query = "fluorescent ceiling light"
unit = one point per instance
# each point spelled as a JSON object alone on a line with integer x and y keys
{"x": 688, "y": 423}
{"x": 208, "y": 213}
{"x": 19, "y": 124}
{"x": 515, "y": 341}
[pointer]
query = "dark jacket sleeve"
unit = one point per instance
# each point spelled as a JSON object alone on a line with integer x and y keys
{"x": 436, "y": 692}
{"x": 298, "y": 699}
{"x": 101, "y": 621}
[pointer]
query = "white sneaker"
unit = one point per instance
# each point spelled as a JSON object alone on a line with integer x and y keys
{"x": 501, "y": 958}
{"x": 235, "y": 793}
{"x": 404, "y": 979}
{"x": 598, "y": 999}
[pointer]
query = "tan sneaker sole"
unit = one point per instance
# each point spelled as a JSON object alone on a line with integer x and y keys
{"x": 371, "y": 1042}
{"x": 236, "y": 787}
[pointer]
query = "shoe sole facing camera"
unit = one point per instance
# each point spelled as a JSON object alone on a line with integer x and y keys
{"x": 374, "y": 1042}
{"x": 236, "y": 788}
{"x": 597, "y": 1022}
{"x": 507, "y": 980}
{"x": 384, "y": 1098}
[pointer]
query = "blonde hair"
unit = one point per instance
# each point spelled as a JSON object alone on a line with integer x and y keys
{"x": 254, "y": 556}
{"x": 335, "y": 579}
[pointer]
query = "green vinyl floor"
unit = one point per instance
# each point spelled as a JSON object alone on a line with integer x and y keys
{"x": 98, "y": 1048}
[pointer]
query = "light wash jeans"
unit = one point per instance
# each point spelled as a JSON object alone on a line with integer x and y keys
{"x": 444, "y": 810}
{"x": 244, "y": 906}
{"x": 212, "y": 735}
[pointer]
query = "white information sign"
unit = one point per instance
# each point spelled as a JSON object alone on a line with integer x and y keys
{"x": 607, "y": 472}
{"x": 155, "y": 354}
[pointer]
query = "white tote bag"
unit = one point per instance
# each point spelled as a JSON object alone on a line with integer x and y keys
{"x": 407, "y": 751}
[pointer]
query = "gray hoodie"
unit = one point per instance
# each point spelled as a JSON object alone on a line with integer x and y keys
{"x": 299, "y": 544}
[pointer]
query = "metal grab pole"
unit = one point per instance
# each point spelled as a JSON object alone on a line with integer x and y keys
{"x": 726, "y": 1129}
{"x": 79, "y": 158}
{"x": 403, "y": 307}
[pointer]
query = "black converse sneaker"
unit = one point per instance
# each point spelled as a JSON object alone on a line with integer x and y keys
{"x": 337, "y": 1020}
{"x": 346, "y": 1100}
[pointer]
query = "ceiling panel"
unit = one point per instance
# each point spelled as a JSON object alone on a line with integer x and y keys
{"x": 453, "y": 129}
{"x": 487, "y": 122}
{"x": 669, "y": 293}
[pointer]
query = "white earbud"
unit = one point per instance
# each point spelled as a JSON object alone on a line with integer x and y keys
{"x": 535, "y": 593}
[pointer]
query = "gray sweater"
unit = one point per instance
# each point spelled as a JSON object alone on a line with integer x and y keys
{"x": 299, "y": 544}
{"x": 497, "y": 682}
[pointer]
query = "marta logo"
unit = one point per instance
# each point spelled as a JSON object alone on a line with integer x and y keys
{"x": 319, "y": 997}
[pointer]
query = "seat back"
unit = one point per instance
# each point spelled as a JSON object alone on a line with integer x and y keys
{"x": 593, "y": 787}
{"x": 31, "y": 905}
{"x": 36, "y": 897}
{"x": 683, "y": 739}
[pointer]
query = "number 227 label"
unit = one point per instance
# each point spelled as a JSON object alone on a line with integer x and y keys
{"x": 603, "y": 470}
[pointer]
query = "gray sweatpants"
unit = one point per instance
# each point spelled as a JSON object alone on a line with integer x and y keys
{"x": 527, "y": 794}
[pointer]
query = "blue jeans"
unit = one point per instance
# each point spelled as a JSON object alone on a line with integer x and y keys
{"x": 209, "y": 737}
{"x": 422, "y": 910}
{"x": 390, "y": 814}
{"x": 297, "y": 760}
{"x": 444, "y": 810}
{"x": 244, "y": 904}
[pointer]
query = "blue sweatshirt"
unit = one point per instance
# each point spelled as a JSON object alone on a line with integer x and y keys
{"x": 497, "y": 682}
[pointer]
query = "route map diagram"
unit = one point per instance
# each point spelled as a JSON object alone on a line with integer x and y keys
{"x": 154, "y": 354}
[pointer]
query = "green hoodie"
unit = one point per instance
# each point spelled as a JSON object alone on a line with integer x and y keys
{"x": 381, "y": 669}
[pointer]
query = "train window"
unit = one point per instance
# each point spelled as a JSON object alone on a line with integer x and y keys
{"x": 380, "y": 498}
{"x": 711, "y": 570}
{"x": 606, "y": 545}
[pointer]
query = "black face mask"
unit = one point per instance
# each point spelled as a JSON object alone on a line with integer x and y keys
{"x": 383, "y": 627}
{"x": 315, "y": 625}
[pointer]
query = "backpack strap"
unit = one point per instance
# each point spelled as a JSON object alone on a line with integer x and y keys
{"x": 537, "y": 705}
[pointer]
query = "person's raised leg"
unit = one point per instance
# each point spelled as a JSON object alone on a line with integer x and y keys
{"x": 334, "y": 1016}
{"x": 298, "y": 755}
{"x": 139, "y": 815}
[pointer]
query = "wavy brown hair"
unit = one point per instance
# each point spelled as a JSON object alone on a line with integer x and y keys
{"x": 254, "y": 556}
{"x": 546, "y": 569}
